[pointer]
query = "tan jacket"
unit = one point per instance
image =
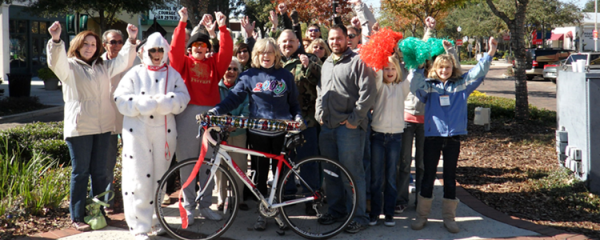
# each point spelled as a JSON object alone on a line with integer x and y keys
{"x": 114, "y": 82}
{"x": 86, "y": 89}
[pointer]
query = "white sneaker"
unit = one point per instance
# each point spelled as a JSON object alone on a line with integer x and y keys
{"x": 190, "y": 216}
{"x": 142, "y": 236}
{"x": 210, "y": 214}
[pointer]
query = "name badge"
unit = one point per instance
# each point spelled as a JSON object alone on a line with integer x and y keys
{"x": 444, "y": 100}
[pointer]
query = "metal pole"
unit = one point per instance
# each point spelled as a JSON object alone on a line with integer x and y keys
{"x": 595, "y": 24}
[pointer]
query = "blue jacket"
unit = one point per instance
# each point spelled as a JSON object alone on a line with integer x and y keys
{"x": 272, "y": 92}
{"x": 447, "y": 121}
{"x": 241, "y": 111}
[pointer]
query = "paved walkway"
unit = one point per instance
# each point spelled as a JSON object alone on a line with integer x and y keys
{"x": 475, "y": 219}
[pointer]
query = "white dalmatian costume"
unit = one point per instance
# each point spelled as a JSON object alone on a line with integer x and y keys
{"x": 149, "y": 97}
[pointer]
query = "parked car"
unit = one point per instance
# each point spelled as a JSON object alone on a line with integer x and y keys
{"x": 537, "y": 58}
{"x": 592, "y": 59}
{"x": 551, "y": 70}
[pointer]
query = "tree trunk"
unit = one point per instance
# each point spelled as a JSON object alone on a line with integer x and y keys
{"x": 517, "y": 29}
{"x": 518, "y": 42}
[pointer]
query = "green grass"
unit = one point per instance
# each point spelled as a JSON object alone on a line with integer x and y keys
{"x": 504, "y": 109}
{"x": 30, "y": 187}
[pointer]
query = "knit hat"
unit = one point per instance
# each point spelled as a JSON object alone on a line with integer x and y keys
{"x": 199, "y": 37}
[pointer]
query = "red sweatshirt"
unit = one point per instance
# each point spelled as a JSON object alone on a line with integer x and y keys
{"x": 201, "y": 77}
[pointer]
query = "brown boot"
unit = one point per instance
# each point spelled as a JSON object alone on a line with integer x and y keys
{"x": 448, "y": 214}
{"x": 423, "y": 210}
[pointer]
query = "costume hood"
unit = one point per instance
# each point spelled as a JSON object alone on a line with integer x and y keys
{"x": 153, "y": 41}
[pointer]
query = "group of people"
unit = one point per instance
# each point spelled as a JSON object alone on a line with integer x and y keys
{"x": 365, "y": 118}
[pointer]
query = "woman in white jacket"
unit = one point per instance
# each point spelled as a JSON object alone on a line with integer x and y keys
{"x": 148, "y": 96}
{"x": 89, "y": 118}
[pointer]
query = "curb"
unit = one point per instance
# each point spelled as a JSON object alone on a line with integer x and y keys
{"x": 16, "y": 117}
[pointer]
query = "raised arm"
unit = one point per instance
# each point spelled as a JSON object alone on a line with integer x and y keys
{"x": 472, "y": 79}
{"x": 178, "y": 44}
{"x": 223, "y": 57}
{"x": 366, "y": 18}
{"x": 418, "y": 86}
{"x": 57, "y": 56}
{"x": 126, "y": 56}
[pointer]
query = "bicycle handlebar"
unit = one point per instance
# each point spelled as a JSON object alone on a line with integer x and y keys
{"x": 249, "y": 123}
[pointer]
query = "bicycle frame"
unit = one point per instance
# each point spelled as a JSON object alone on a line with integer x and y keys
{"x": 222, "y": 149}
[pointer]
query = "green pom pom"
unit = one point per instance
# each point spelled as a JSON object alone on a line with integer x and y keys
{"x": 415, "y": 52}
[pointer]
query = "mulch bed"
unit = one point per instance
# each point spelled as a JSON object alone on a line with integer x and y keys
{"x": 502, "y": 167}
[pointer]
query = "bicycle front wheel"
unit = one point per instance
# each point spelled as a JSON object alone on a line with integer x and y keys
{"x": 199, "y": 227}
{"x": 303, "y": 216}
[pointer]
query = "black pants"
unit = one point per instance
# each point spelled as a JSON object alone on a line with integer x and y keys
{"x": 450, "y": 148}
{"x": 267, "y": 144}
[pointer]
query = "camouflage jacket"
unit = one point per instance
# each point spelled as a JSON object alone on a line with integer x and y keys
{"x": 306, "y": 80}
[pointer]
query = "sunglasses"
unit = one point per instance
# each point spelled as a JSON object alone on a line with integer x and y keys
{"x": 232, "y": 69}
{"x": 318, "y": 48}
{"x": 115, "y": 42}
{"x": 243, "y": 51}
{"x": 200, "y": 44}
{"x": 351, "y": 35}
{"x": 154, "y": 50}
{"x": 314, "y": 30}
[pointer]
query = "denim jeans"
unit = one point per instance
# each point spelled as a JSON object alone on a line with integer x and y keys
{"x": 111, "y": 161}
{"x": 412, "y": 131}
{"x": 385, "y": 152}
{"x": 309, "y": 171}
{"x": 367, "y": 155}
{"x": 345, "y": 146}
{"x": 450, "y": 148}
{"x": 88, "y": 159}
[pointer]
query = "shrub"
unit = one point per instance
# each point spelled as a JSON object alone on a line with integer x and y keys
{"x": 43, "y": 138}
{"x": 14, "y": 105}
{"x": 46, "y": 73}
{"x": 29, "y": 187}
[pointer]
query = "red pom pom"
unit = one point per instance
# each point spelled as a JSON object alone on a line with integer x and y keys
{"x": 380, "y": 46}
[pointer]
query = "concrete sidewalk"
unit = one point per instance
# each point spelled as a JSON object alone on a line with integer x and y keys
{"x": 473, "y": 225}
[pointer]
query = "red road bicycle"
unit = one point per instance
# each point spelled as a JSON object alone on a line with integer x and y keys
{"x": 280, "y": 201}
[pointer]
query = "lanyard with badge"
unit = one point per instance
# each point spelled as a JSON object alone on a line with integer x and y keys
{"x": 444, "y": 99}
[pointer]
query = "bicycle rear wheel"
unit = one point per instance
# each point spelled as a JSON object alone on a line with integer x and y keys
{"x": 300, "y": 216}
{"x": 202, "y": 228}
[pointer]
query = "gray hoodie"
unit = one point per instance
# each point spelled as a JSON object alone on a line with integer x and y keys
{"x": 346, "y": 92}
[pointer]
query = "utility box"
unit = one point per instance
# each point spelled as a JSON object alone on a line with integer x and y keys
{"x": 578, "y": 120}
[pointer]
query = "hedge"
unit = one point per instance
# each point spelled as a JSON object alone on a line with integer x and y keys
{"x": 44, "y": 138}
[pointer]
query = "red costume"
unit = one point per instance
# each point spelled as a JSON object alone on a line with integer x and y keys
{"x": 201, "y": 77}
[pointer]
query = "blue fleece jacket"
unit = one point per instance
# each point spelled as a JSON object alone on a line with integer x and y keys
{"x": 272, "y": 94}
{"x": 447, "y": 121}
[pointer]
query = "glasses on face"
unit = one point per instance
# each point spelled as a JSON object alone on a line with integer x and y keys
{"x": 115, "y": 42}
{"x": 351, "y": 35}
{"x": 316, "y": 47}
{"x": 243, "y": 51}
{"x": 232, "y": 69}
{"x": 314, "y": 30}
{"x": 154, "y": 50}
{"x": 200, "y": 45}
